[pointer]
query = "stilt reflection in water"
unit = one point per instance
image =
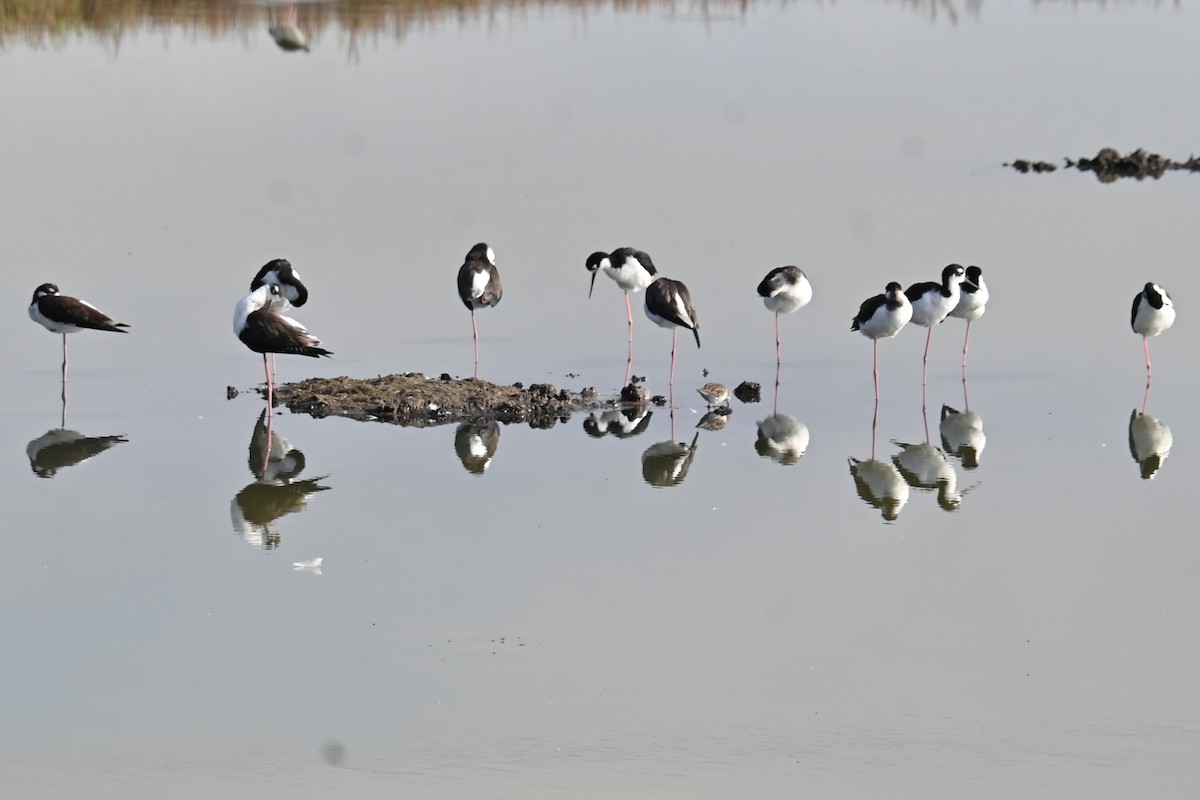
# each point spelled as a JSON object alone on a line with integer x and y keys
{"x": 925, "y": 466}
{"x": 1150, "y": 440}
{"x": 276, "y": 492}
{"x": 287, "y": 34}
{"x": 667, "y": 463}
{"x": 475, "y": 444}
{"x": 781, "y": 437}
{"x": 878, "y": 483}
{"x": 59, "y": 447}
{"x": 962, "y": 432}
{"x": 619, "y": 422}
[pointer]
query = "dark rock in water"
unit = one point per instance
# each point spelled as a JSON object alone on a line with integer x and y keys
{"x": 419, "y": 401}
{"x": 658, "y": 400}
{"x": 633, "y": 394}
{"x": 230, "y": 392}
{"x": 748, "y": 392}
{"x": 1108, "y": 164}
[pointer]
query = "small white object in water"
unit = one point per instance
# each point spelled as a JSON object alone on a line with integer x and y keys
{"x": 313, "y": 566}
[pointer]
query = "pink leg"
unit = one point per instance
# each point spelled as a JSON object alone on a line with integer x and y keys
{"x": 1145, "y": 344}
{"x": 64, "y": 358}
{"x": 874, "y": 428}
{"x": 925, "y": 367}
{"x": 1145, "y": 399}
{"x": 671, "y": 383}
{"x": 274, "y": 371}
{"x": 966, "y": 342}
{"x": 270, "y": 385}
{"x": 778, "y": 341}
{"x": 267, "y": 454}
{"x": 629, "y": 313}
{"x": 475, "y": 331}
{"x": 875, "y": 342}
{"x": 925, "y": 414}
{"x": 775, "y": 409}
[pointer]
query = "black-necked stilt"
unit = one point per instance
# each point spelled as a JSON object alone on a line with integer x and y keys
{"x": 881, "y": 317}
{"x": 60, "y": 314}
{"x": 715, "y": 394}
{"x": 669, "y": 305}
{"x": 261, "y": 325}
{"x": 972, "y": 302}
{"x": 784, "y": 290}
{"x": 633, "y": 271}
{"x": 667, "y": 463}
{"x": 932, "y": 302}
{"x": 59, "y": 448}
{"x": 619, "y": 422}
{"x": 1149, "y": 442}
{"x": 292, "y": 292}
{"x": 479, "y": 286}
{"x": 281, "y": 273}
{"x": 1153, "y": 313}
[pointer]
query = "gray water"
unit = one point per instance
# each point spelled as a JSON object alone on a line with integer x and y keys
{"x": 552, "y": 625}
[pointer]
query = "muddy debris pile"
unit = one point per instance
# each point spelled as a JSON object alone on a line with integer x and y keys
{"x": 415, "y": 400}
{"x": 1109, "y": 165}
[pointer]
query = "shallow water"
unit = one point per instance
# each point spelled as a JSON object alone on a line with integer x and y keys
{"x": 553, "y": 624}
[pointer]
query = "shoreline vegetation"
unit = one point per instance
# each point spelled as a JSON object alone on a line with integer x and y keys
{"x": 43, "y": 23}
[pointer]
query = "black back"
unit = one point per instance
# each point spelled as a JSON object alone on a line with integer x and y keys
{"x": 620, "y": 255}
{"x": 778, "y": 278}
{"x": 660, "y": 298}
{"x": 476, "y": 262}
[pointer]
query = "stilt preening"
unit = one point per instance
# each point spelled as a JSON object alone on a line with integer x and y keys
{"x": 669, "y": 305}
{"x": 292, "y": 292}
{"x": 972, "y": 303}
{"x": 784, "y": 290}
{"x": 259, "y": 323}
{"x": 60, "y": 314}
{"x": 932, "y": 302}
{"x": 1153, "y": 313}
{"x": 479, "y": 286}
{"x": 881, "y": 317}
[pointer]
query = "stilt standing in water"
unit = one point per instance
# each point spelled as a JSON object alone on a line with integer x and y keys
{"x": 261, "y": 326}
{"x": 881, "y": 317}
{"x": 60, "y": 314}
{"x": 932, "y": 302}
{"x": 669, "y": 305}
{"x": 479, "y": 286}
{"x": 292, "y": 292}
{"x": 783, "y": 291}
{"x": 972, "y": 303}
{"x": 1153, "y": 313}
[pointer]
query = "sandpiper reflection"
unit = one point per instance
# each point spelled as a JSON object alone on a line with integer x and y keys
{"x": 60, "y": 447}
{"x": 276, "y": 490}
{"x": 781, "y": 437}
{"x": 619, "y": 422}
{"x": 475, "y": 445}
{"x": 1150, "y": 439}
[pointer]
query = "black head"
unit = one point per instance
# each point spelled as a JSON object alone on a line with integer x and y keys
{"x": 481, "y": 252}
{"x": 951, "y": 272}
{"x": 893, "y": 289}
{"x": 45, "y": 290}
{"x": 594, "y": 262}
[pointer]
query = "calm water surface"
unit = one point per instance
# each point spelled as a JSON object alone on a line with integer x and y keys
{"x": 524, "y": 615}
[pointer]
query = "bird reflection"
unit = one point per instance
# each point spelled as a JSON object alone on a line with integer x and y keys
{"x": 667, "y": 463}
{"x": 286, "y": 34}
{"x": 925, "y": 466}
{"x": 275, "y": 492}
{"x": 781, "y": 437}
{"x": 619, "y": 422}
{"x": 1150, "y": 439}
{"x": 59, "y": 447}
{"x": 475, "y": 445}
{"x": 962, "y": 431}
{"x": 878, "y": 483}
